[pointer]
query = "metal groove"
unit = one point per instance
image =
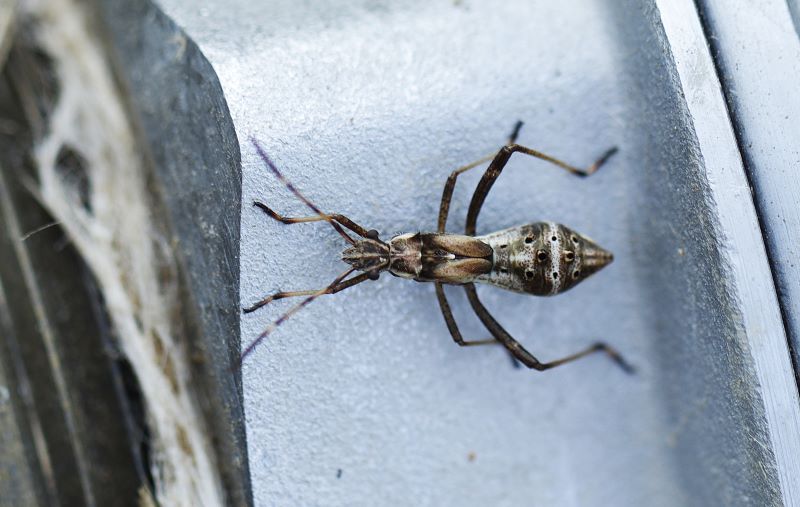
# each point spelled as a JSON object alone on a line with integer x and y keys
{"x": 34, "y": 424}
{"x": 727, "y": 91}
{"x": 760, "y": 310}
{"x": 48, "y": 337}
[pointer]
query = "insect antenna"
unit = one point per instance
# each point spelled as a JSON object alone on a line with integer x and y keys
{"x": 291, "y": 311}
{"x": 292, "y": 189}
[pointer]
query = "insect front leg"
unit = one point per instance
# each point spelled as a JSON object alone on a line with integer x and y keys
{"x": 336, "y": 285}
{"x": 343, "y": 220}
{"x": 526, "y": 357}
{"x": 313, "y": 207}
{"x": 321, "y": 292}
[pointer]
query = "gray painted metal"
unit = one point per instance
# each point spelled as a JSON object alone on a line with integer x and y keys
{"x": 744, "y": 251}
{"x": 189, "y": 141}
{"x": 757, "y": 50}
{"x": 363, "y": 398}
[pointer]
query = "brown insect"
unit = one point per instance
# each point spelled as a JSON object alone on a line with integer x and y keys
{"x": 542, "y": 258}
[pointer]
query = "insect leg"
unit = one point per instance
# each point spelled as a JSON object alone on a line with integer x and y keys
{"x": 523, "y": 355}
{"x": 450, "y": 184}
{"x": 451, "y": 322}
{"x": 328, "y": 290}
{"x": 323, "y": 216}
{"x": 291, "y": 311}
{"x": 447, "y": 313}
{"x": 499, "y": 162}
{"x": 314, "y": 218}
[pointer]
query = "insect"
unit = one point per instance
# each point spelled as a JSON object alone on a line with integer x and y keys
{"x": 542, "y": 258}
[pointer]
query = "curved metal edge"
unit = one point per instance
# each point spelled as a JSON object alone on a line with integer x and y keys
{"x": 185, "y": 124}
{"x": 752, "y": 285}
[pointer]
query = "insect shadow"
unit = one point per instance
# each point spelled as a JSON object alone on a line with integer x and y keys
{"x": 541, "y": 258}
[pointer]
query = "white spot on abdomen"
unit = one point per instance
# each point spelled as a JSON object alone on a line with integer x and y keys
{"x": 555, "y": 249}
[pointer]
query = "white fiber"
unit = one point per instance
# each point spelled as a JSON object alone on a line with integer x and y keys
{"x": 116, "y": 236}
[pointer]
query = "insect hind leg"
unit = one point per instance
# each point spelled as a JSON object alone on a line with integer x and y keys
{"x": 499, "y": 162}
{"x": 526, "y": 357}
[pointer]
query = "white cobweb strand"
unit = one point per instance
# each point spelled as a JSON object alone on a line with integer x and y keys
{"x": 122, "y": 248}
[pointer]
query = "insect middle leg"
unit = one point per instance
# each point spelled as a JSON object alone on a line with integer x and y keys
{"x": 444, "y": 210}
{"x": 452, "y": 326}
{"x": 451, "y": 322}
{"x": 522, "y": 354}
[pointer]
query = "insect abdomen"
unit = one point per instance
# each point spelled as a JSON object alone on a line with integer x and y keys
{"x": 542, "y": 258}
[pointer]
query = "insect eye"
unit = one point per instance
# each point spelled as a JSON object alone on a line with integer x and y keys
{"x": 374, "y": 275}
{"x": 373, "y": 234}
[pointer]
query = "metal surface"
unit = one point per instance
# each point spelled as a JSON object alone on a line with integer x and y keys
{"x": 757, "y": 50}
{"x": 363, "y": 398}
{"x": 73, "y": 425}
{"x": 748, "y": 270}
{"x": 182, "y": 117}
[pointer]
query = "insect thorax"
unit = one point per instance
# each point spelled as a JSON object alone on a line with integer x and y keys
{"x": 446, "y": 258}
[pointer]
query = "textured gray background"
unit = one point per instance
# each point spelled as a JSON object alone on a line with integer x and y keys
{"x": 367, "y": 108}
